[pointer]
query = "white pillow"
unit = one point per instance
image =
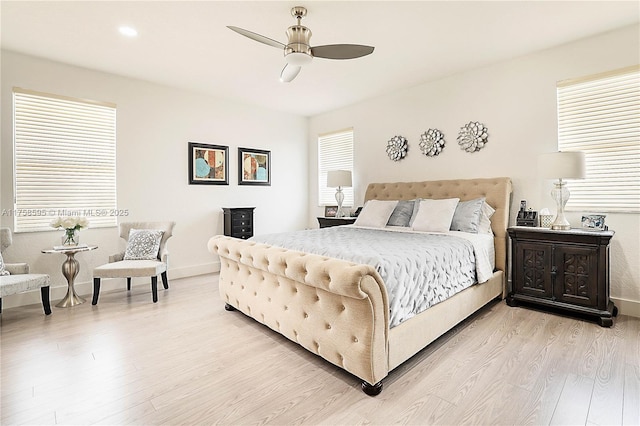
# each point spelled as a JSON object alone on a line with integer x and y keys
{"x": 376, "y": 213}
{"x": 143, "y": 244}
{"x": 435, "y": 215}
{"x": 484, "y": 226}
{"x": 2, "y": 270}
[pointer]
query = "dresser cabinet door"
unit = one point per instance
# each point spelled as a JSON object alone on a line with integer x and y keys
{"x": 534, "y": 271}
{"x": 576, "y": 275}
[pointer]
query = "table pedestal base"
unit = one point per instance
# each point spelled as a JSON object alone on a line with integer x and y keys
{"x": 71, "y": 299}
{"x": 70, "y": 269}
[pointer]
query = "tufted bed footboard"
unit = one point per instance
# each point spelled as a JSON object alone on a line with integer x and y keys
{"x": 333, "y": 308}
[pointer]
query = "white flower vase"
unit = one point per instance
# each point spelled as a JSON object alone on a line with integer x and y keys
{"x": 71, "y": 238}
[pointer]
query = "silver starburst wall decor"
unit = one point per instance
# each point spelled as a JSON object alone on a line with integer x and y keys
{"x": 473, "y": 136}
{"x": 397, "y": 148}
{"x": 432, "y": 142}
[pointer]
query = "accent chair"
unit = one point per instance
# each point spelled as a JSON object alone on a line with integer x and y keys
{"x": 145, "y": 256}
{"x": 15, "y": 277}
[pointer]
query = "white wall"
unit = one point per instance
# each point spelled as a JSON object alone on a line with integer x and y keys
{"x": 516, "y": 100}
{"x": 154, "y": 125}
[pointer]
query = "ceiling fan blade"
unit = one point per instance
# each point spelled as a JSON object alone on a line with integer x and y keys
{"x": 289, "y": 72}
{"x": 258, "y": 37}
{"x": 341, "y": 51}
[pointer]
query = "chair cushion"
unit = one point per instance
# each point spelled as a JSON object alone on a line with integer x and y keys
{"x": 143, "y": 244}
{"x": 13, "y": 284}
{"x": 130, "y": 268}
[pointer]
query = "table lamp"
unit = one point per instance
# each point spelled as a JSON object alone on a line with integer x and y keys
{"x": 561, "y": 165}
{"x": 339, "y": 179}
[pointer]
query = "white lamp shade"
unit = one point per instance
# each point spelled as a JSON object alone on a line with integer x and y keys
{"x": 336, "y": 178}
{"x": 562, "y": 165}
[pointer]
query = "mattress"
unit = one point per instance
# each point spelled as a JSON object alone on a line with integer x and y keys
{"x": 419, "y": 269}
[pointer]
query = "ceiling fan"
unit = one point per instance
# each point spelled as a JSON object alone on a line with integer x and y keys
{"x": 298, "y": 52}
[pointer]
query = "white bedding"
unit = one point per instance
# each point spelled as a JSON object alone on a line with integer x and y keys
{"x": 419, "y": 269}
{"x": 483, "y": 248}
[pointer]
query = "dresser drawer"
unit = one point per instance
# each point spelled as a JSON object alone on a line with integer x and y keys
{"x": 241, "y": 214}
{"x": 246, "y": 221}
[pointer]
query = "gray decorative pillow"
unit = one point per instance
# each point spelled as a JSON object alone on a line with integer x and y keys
{"x": 402, "y": 214}
{"x": 2, "y": 270}
{"x": 467, "y": 216}
{"x": 484, "y": 227}
{"x": 143, "y": 244}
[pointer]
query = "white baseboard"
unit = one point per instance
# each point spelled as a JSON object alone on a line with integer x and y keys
{"x": 85, "y": 288}
{"x": 627, "y": 307}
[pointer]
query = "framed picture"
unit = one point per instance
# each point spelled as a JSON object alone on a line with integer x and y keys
{"x": 208, "y": 164}
{"x": 254, "y": 167}
{"x": 330, "y": 211}
{"x": 594, "y": 221}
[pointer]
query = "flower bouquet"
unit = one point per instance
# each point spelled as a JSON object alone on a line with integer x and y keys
{"x": 71, "y": 226}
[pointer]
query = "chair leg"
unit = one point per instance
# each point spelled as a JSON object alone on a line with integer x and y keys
{"x": 128, "y": 283}
{"x": 165, "y": 281}
{"x": 0, "y": 305}
{"x": 96, "y": 291}
{"x": 154, "y": 288}
{"x": 46, "y": 304}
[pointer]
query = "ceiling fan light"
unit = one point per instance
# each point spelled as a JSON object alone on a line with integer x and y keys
{"x": 298, "y": 59}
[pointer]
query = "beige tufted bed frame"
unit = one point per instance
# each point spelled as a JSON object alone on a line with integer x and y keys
{"x": 339, "y": 310}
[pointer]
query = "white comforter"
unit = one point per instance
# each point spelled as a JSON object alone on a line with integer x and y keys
{"x": 419, "y": 269}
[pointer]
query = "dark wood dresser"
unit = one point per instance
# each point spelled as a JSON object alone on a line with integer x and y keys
{"x": 566, "y": 270}
{"x": 238, "y": 222}
{"x": 328, "y": 222}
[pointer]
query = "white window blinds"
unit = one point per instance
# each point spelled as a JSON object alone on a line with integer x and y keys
{"x": 64, "y": 160}
{"x": 335, "y": 152}
{"x": 600, "y": 115}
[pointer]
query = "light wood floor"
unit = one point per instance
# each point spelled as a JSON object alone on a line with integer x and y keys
{"x": 185, "y": 360}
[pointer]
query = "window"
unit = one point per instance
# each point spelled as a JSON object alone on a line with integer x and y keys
{"x": 64, "y": 160}
{"x": 335, "y": 152}
{"x": 600, "y": 115}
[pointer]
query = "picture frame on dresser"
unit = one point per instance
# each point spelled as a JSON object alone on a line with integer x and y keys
{"x": 254, "y": 167}
{"x": 330, "y": 211}
{"x": 208, "y": 164}
{"x": 594, "y": 222}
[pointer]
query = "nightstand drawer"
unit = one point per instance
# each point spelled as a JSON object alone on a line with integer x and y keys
{"x": 242, "y": 222}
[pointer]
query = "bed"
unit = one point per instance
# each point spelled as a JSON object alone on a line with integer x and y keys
{"x": 339, "y": 309}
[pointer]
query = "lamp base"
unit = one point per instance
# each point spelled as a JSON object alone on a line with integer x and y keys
{"x": 339, "y": 200}
{"x": 561, "y": 194}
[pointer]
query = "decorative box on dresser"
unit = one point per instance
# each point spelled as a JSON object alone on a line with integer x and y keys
{"x": 328, "y": 222}
{"x": 567, "y": 270}
{"x": 238, "y": 222}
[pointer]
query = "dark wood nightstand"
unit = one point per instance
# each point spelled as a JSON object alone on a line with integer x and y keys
{"x": 567, "y": 270}
{"x": 238, "y": 222}
{"x": 328, "y": 222}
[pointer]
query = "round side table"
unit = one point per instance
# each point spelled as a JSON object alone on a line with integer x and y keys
{"x": 70, "y": 269}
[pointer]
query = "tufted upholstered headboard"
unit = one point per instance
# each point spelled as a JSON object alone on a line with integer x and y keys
{"x": 497, "y": 192}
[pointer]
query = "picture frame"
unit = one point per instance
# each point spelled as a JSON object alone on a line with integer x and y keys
{"x": 208, "y": 164}
{"x": 330, "y": 211}
{"x": 254, "y": 167}
{"x": 594, "y": 222}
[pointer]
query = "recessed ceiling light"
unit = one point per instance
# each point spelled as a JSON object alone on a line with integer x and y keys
{"x": 128, "y": 31}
